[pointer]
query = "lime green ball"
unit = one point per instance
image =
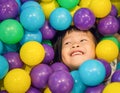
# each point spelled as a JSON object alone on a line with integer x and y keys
{"x": 11, "y": 31}
{"x": 47, "y": 42}
{"x": 68, "y": 4}
{"x": 114, "y": 39}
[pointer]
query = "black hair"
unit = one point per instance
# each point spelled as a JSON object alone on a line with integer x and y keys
{"x": 57, "y": 40}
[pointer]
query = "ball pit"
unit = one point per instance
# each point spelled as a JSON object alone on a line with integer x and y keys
{"x": 27, "y": 28}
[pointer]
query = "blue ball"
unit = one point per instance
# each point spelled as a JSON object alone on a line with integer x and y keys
{"x": 118, "y": 66}
{"x": 29, "y": 4}
{"x": 31, "y": 36}
{"x": 1, "y": 47}
{"x": 60, "y": 19}
{"x": 32, "y": 18}
{"x": 92, "y": 72}
{"x": 4, "y": 67}
{"x": 78, "y": 87}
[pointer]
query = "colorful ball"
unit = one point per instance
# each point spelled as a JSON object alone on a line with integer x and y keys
{"x": 49, "y": 54}
{"x": 4, "y": 67}
{"x": 92, "y": 68}
{"x": 31, "y": 36}
{"x": 33, "y": 90}
{"x": 47, "y": 31}
{"x": 100, "y": 8}
{"x": 114, "y": 11}
{"x": 108, "y": 25}
{"x": 17, "y": 80}
{"x": 42, "y": 72}
{"x": 47, "y": 90}
{"x": 116, "y": 76}
{"x": 48, "y": 8}
{"x": 32, "y": 18}
{"x": 32, "y": 53}
{"x": 8, "y": 9}
{"x": 79, "y": 86}
{"x": 60, "y": 82}
{"x": 107, "y": 50}
{"x": 68, "y": 4}
{"x": 95, "y": 89}
{"x": 60, "y": 19}
{"x": 14, "y": 60}
{"x": 112, "y": 88}
{"x": 13, "y": 29}
{"x": 1, "y": 47}
{"x": 83, "y": 19}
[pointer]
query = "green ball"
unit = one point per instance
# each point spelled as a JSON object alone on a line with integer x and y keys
{"x": 47, "y": 42}
{"x": 68, "y": 4}
{"x": 114, "y": 39}
{"x": 11, "y": 31}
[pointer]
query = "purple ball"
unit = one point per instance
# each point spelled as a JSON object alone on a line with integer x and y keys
{"x": 47, "y": 31}
{"x": 108, "y": 25}
{"x": 114, "y": 11}
{"x": 33, "y": 90}
{"x": 60, "y": 82}
{"x": 95, "y": 89}
{"x": 14, "y": 60}
{"x": 3, "y": 91}
{"x": 59, "y": 66}
{"x": 49, "y": 54}
{"x": 116, "y": 76}
{"x": 107, "y": 67}
{"x": 119, "y": 24}
{"x": 39, "y": 75}
{"x": 8, "y": 9}
{"x": 83, "y": 19}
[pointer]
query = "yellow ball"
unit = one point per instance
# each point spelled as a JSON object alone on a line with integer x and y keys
{"x": 49, "y": 7}
{"x": 17, "y": 81}
{"x": 84, "y": 3}
{"x": 100, "y": 8}
{"x": 47, "y": 90}
{"x": 46, "y": 1}
{"x": 28, "y": 68}
{"x": 107, "y": 50}
{"x": 112, "y": 88}
{"x": 32, "y": 53}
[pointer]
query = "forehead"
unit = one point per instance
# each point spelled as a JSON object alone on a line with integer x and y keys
{"x": 76, "y": 34}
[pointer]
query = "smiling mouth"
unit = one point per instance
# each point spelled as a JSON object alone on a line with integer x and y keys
{"x": 77, "y": 53}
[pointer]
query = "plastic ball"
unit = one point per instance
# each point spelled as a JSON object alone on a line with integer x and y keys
{"x": 114, "y": 11}
{"x": 118, "y": 66}
{"x": 68, "y": 4}
{"x": 8, "y": 9}
{"x": 14, "y": 60}
{"x": 107, "y": 50}
{"x": 33, "y": 90}
{"x": 108, "y": 25}
{"x": 83, "y": 19}
{"x": 78, "y": 87}
{"x": 1, "y": 47}
{"x": 13, "y": 29}
{"x": 112, "y": 88}
{"x": 32, "y": 53}
{"x": 46, "y": 1}
{"x": 49, "y": 7}
{"x": 3, "y": 91}
{"x": 60, "y": 19}
{"x": 116, "y": 76}
{"x": 32, "y": 18}
{"x": 59, "y": 66}
{"x": 60, "y": 82}
{"x": 47, "y": 42}
{"x": 84, "y": 3}
{"x": 113, "y": 38}
{"x": 95, "y": 89}
{"x": 47, "y": 31}
{"x": 98, "y": 7}
{"x": 107, "y": 67}
{"x": 49, "y": 54}
{"x": 4, "y": 67}
{"x": 17, "y": 80}
{"x": 31, "y": 36}
{"x": 42, "y": 72}
{"x": 47, "y": 90}
{"x": 92, "y": 68}
{"x": 30, "y": 4}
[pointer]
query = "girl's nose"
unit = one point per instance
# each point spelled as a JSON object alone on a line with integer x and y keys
{"x": 75, "y": 45}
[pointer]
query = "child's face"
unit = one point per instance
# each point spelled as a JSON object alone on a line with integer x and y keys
{"x": 77, "y": 47}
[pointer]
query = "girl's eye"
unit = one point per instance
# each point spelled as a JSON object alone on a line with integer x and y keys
{"x": 83, "y": 40}
{"x": 67, "y": 43}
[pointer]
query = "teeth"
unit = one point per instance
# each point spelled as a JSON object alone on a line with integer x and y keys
{"x": 77, "y": 53}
